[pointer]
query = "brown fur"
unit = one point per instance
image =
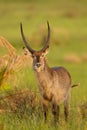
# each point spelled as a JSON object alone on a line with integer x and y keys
{"x": 54, "y": 85}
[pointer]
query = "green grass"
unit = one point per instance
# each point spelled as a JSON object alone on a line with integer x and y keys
{"x": 69, "y": 18}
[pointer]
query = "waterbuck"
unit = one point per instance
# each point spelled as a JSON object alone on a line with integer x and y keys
{"x": 54, "y": 83}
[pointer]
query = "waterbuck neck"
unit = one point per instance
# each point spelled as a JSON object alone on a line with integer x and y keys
{"x": 46, "y": 71}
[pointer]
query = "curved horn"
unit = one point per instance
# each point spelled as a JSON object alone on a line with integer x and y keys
{"x": 48, "y": 38}
{"x": 24, "y": 39}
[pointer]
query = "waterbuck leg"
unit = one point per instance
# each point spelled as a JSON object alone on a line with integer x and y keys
{"x": 66, "y": 107}
{"x": 66, "y": 112}
{"x": 55, "y": 111}
{"x": 45, "y": 109}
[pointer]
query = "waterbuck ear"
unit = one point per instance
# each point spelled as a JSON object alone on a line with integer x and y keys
{"x": 26, "y": 52}
{"x": 45, "y": 52}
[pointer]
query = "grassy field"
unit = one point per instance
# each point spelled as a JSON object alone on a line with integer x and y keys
{"x": 68, "y": 47}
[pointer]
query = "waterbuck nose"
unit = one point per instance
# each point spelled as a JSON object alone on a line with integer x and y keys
{"x": 38, "y": 64}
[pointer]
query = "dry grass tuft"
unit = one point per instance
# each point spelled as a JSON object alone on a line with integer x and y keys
{"x": 6, "y": 44}
{"x": 11, "y": 62}
{"x": 20, "y": 102}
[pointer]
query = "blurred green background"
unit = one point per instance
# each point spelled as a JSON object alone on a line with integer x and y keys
{"x": 68, "y": 18}
{"x": 68, "y": 44}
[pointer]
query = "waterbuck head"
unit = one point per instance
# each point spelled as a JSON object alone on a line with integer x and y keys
{"x": 37, "y": 56}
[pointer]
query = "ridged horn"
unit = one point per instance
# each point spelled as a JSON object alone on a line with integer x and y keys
{"x": 25, "y": 41}
{"x": 48, "y": 38}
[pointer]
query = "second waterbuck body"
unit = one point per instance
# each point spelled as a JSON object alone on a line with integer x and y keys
{"x": 54, "y": 83}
